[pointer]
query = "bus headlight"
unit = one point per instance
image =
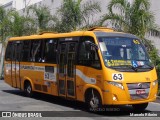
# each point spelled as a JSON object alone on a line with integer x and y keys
{"x": 155, "y": 83}
{"x": 117, "y": 84}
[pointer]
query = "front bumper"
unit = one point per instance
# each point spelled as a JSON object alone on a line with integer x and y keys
{"x": 117, "y": 96}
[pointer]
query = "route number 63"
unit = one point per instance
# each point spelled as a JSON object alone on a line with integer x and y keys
{"x": 117, "y": 76}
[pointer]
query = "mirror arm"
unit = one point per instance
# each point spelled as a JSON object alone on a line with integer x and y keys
{"x": 92, "y": 44}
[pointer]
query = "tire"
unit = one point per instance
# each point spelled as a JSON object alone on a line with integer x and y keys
{"x": 93, "y": 101}
{"x": 140, "y": 107}
{"x": 28, "y": 89}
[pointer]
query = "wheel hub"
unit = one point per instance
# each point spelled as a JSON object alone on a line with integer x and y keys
{"x": 29, "y": 89}
{"x": 94, "y": 102}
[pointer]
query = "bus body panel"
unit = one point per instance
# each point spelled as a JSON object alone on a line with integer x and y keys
{"x": 87, "y": 77}
{"x": 37, "y": 77}
{"x": 7, "y": 73}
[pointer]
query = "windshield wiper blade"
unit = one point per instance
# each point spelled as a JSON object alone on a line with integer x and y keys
{"x": 148, "y": 66}
{"x": 132, "y": 67}
{"x": 129, "y": 66}
{"x": 141, "y": 66}
{"x": 122, "y": 66}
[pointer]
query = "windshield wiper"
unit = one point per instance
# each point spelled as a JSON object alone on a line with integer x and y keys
{"x": 129, "y": 66}
{"x": 148, "y": 66}
{"x": 136, "y": 68}
{"x": 122, "y": 66}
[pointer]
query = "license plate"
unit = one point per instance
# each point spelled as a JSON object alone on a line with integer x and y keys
{"x": 139, "y": 92}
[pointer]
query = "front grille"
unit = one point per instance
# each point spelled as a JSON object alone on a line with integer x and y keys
{"x": 133, "y": 87}
{"x": 138, "y": 85}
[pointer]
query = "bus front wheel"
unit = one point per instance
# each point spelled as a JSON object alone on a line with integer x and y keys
{"x": 140, "y": 107}
{"x": 93, "y": 100}
{"x": 28, "y": 89}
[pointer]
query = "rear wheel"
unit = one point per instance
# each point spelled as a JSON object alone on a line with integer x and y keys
{"x": 140, "y": 107}
{"x": 28, "y": 89}
{"x": 93, "y": 100}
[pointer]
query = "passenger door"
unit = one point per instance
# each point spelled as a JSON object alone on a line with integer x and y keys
{"x": 66, "y": 69}
{"x": 15, "y": 64}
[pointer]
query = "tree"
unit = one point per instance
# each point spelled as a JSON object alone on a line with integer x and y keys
{"x": 20, "y": 25}
{"x": 4, "y": 24}
{"x": 73, "y": 14}
{"x": 133, "y": 17}
{"x": 43, "y": 17}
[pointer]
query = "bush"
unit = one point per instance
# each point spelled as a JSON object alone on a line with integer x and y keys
{"x": 156, "y": 61}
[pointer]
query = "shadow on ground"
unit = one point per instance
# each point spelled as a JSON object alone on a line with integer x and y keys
{"x": 80, "y": 109}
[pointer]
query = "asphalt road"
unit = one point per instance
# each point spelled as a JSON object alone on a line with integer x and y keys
{"x": 12, "y": 99}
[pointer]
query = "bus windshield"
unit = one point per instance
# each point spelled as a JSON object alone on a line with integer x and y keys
{"x": 121, "y": 52}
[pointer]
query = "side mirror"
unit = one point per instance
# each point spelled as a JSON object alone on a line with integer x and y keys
{"x": 89, "y": 44}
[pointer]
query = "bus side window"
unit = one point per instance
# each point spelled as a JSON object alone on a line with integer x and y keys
{"x": 36, "y": 51}
{"x": 8, "y": 54}
{"x": 50, "y": 51}
{"x": 88, "y": 55}
{"x": 26, "y": 50}
{"x": 18, "y": 51}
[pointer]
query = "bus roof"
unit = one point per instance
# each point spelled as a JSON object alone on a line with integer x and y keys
{"x": 90, "y": 32}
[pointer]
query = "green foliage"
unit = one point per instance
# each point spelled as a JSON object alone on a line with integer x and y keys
{"x": 156, "y": 61}
{"x": 133, "y": 17}
{"x": 4, "y": 25}
{"x": 20, "y": 25}
{"x": 42, "y": 17}
{"x": 73, "y": 14}
{"x": 12, "y": 24}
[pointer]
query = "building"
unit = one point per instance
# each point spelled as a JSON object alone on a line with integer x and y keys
{"x": 20, "y": 5}
{"x": 17, "y": 4}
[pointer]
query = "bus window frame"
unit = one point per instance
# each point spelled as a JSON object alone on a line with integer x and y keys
{"x": 13, "y": 43}
{"x": 6, "y": 52}
{"x": 22, "y": 52}
{"x": 44, "y": 46}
